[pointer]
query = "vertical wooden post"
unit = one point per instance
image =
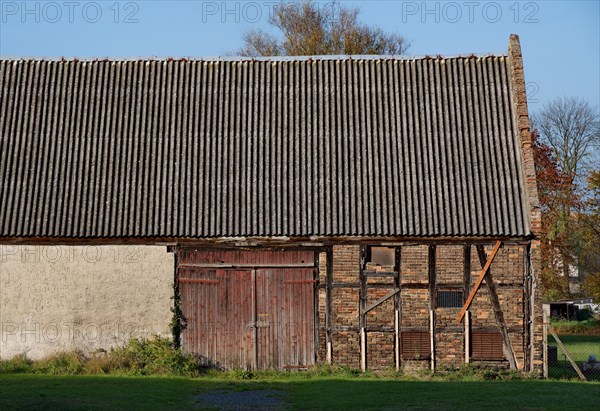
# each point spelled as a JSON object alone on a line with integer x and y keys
{"x": 255, "y": 318}
{"x": 176, "y": 301}
{"x": 546, "y": 321}
{"x": 532, "y": 306}
{"x": 432, "y": 337}
{"x": 466, "y": 291}
{"x": 363, "y": 349}
{"x": 467, "y": 337}
{"x": 362, "y": 306}
{"x": 466, "y": 272}
{"x": 397, "y": 351}
{"x": 432, "y": 281}
{"x": 316, "y": 291}
{"x": 329, "y": 305}
{"x": 526, "y": 313}
{"x": 398, "y": 309}
{"x": 493, "y": 293}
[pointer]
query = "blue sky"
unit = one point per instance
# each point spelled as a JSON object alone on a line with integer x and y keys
{"x": 560, "y": 39}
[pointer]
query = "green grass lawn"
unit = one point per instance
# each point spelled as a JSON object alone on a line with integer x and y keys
{"x": 42, "y": 392}
{"x": 580, "y": 347}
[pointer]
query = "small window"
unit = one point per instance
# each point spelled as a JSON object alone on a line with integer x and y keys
{"x": 486, "y": 346}
{"x": 381, "y": 259}
{"x": 415, "y": 345}
{"x": 449, "y": 299}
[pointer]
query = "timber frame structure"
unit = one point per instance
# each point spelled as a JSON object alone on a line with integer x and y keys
{"x": 368, "y": 211}
{"x": 394, "y": 289}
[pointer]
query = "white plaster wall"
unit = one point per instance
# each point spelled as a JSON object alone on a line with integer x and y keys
{"x": 57, "y": 298}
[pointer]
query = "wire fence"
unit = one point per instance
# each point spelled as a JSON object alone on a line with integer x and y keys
{"x": 573, "y": 353}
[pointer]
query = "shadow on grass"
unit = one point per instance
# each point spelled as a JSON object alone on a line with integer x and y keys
{"x": 327, "y": 393}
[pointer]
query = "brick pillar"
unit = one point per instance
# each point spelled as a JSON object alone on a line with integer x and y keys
{"x": 521, "y": 118}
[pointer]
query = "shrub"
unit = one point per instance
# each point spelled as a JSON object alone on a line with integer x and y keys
{"x": 241, "y": 375}
{"x": 69, "y": 363}
{"x": 155, "y": 356}
{"x": 584, "y": 314}
{"x": 590, "y": 326}
{"x": 18, "y": 364}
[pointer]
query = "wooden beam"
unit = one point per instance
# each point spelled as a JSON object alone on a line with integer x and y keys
{"x": 398, "y": 309}
{"x": 545, "y": 323}
{"x": 562, "y": 347}
{"x": 198, "y": 281}
{"x": 301, "y": 281}
{"x": 414, "y": 286}
{"x": 479, "y": 280}
{"x": 243, "y": 265}
{"x": 362, "y": 321}
{"x": 466, "y": 290}
{"x": 432, "y": 282}
{"x": 381, "y": 300}
{"x": 255, "y": 319}
{"x": 329, "y": 306}
{"x": 316, "y": 242}
{"x": 381, "y": 274}
{"x": 466, "y": 272}
{"x": 468, "y": 337}
{"x": 363, "y": 349}
{"x": 317, "y": 292}
{"x": 528, "y": 360}
{"x": 493, "y": 293}
{"x": 432, "y": 337}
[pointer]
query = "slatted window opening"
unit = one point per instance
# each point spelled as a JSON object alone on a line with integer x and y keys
{"x": 486, "y": 346}
{"x": 415, "y": 345}
{"x": 449, "y": 298}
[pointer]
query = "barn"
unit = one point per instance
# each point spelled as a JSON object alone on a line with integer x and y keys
{"x": 368, "y": 211}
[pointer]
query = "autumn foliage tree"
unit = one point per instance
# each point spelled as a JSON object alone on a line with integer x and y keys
{"x": 555, "y": 195}
{"x": 312, "y": 28}
{"x": 565, "y": 150}
{"x": 589, "y": 229}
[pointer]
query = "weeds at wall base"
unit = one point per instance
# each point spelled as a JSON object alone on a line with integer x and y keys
{"x": 158, "y": 356}
{"x": 155, "y": 356}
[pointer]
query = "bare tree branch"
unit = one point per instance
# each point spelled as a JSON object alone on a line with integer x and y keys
{"x": 572, "y": 128}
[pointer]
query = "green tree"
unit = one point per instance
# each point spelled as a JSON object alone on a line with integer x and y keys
{"x": 313, "y": 28}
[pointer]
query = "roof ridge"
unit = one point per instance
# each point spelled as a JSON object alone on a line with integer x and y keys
{"x": 343, "y": 57}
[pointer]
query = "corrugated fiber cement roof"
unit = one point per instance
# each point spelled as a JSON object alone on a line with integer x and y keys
{"x": 238, "y": 148}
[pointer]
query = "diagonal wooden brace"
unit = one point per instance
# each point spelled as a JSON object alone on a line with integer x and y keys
{"x": 381, "y": 300}
{"x": 567, "y": 354}
{"x": 495, "y": 301}
{"x": 479, "y": 281}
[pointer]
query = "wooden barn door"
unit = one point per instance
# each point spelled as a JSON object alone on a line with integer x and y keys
{"x": 248, "y": 309}
{"x": 217, "y": 306}
{"x": 285, "y": 318}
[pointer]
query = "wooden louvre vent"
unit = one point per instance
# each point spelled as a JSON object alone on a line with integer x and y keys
{"x": 415, "y": 345}
{"x": 486, "y": 346}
